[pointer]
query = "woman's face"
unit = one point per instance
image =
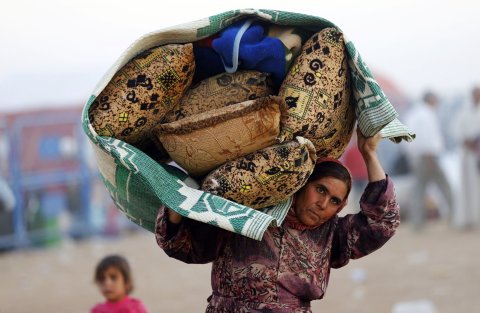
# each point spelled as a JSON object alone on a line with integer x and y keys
{"x": 320, "y": 200}
{"x": 112, "y": 284}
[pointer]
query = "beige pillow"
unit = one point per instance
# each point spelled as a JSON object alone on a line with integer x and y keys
{"x": 219, "y": 91}
{"x": 265, "y": 177}
{"x": 140, "y": 94}
{"x": 316, "y": 91}
{"x": 202, "y": 142}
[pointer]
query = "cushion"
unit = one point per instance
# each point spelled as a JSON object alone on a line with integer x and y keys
{"x": 265, "y": 177}
{"x": 317, "y": 95}
{"x": 219, "y": 91}
{"x": 202, "y": 142}
{"x": 140, "y": 94}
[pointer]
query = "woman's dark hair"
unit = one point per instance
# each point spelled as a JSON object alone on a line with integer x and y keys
{"x": 119, "y": 263}
{"x": 332, "y": 169}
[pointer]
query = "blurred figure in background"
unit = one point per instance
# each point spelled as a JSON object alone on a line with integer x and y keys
{"x": 7, "y": 205}
{"x": 114, "y": 279}
{"x": 466, "y": 129}
{"x": 423, "y": 154}
{"x": 7, "y": 200}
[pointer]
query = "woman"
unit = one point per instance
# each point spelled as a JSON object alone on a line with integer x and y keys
{"x": 290, "y": 266}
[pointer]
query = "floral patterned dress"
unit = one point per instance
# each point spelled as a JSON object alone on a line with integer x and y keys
{"x": 291, "y": 265}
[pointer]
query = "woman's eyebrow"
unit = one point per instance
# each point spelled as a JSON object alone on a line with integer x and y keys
{"x": 320, "y": 185}
{"x": 337, "y": 199}
{"x": 328, "y": 191}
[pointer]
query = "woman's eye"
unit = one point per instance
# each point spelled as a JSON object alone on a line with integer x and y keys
{"x": 320, "y": 189}
{"x": 335, "y": 201}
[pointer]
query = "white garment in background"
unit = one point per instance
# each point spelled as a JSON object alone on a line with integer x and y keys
{"x": 424, "y": 158}
{"x": 423, "y": 120}
{"x": 466, "y": 125}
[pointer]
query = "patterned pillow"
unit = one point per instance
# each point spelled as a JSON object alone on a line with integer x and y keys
{"x": 317, "y": 95}
{"x": 265, "y": 177}
{"x": 202, "y": 142}
{"x": 140, "y": 94}
{"x": 219, "y": 91}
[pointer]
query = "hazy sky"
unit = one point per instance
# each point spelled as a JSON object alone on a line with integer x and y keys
{"x": 53, "y": 52}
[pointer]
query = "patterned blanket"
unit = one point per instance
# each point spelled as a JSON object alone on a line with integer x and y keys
{"x": 139, "y": 185}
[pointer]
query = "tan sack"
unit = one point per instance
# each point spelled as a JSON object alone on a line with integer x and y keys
{"x": 219, "y": 91}
{"x": 142, "y": 92}
{"x": 316, "y": 91}
{"x": 202, "y": 142}
{"x": 265, "y": 177}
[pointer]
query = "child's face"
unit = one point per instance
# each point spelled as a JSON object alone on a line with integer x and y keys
{"x": 112, "y": 284}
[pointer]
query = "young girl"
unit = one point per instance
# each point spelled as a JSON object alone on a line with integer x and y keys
{"x": 114, "y": 280}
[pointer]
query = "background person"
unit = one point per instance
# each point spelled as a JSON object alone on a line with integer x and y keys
{"x": 424, "y": 157}
{"x": 114, "y": 279}
{"x": 466, "y": 130}
{"x": 7, "y": 199}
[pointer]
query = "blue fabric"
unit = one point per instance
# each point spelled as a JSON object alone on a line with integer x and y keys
{"x": 207, "y": 63}
{"x": 257, "y": 51}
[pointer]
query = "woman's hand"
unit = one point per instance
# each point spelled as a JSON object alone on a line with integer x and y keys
{"x": 173, "y": 217}
{"x": 367, "y": 145}
{"x": 368, "y": 148}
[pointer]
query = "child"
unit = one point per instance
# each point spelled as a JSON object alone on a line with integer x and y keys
{"x": 114, "y": 280}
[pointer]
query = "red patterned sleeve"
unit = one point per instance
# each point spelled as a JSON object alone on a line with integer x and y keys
{"x": 357, "y": 235}
{"x": 190, "y": 241}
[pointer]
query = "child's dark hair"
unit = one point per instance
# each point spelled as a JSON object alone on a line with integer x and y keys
{"x": 118, "y": 262}
{"x": 332, "y": 169}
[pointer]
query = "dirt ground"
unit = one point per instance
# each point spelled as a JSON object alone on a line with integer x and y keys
{"x": 437, "y": 268}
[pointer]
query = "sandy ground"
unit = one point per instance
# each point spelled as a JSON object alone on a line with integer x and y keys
{"x": 438, "y": 266}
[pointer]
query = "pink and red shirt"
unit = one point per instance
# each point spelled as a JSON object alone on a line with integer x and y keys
{"x": 126, "y": 305}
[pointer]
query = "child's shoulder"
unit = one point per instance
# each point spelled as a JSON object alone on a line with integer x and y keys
{"x": 138, "y": 305}
{"x": 99, "y": 308}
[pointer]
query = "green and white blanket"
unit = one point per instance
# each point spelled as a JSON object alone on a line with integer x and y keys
{"x": 139, "y": 186}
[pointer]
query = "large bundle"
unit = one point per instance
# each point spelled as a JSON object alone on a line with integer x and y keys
{"x": 244, "y": 101}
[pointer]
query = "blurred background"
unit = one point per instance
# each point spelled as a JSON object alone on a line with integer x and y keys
{"x": 57, "y": 220}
